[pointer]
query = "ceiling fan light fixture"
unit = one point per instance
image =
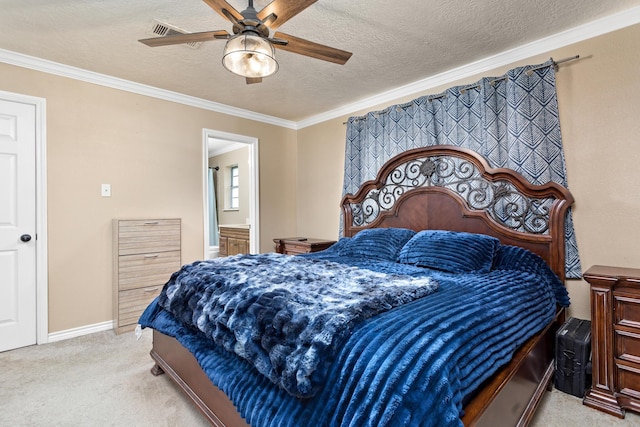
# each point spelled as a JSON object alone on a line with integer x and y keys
{"x": 249, "y": 55}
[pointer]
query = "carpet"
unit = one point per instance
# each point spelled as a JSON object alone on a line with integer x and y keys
{"x": 103, "y": 379}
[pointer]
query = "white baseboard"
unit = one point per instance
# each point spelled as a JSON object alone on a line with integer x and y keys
{"x": 80, "y": 331}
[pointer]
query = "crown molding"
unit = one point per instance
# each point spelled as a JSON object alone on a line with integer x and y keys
{"x": 583, "y": 32}
{"x": 43, "y": 65}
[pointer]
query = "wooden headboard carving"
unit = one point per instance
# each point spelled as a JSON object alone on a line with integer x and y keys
{"x": 451, "y": 188}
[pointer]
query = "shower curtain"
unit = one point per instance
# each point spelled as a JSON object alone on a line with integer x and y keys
{"x": 213, "y": 211}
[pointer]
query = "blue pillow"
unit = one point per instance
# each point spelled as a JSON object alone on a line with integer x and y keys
{"x": 377, "y": 243}
{"x": 450, "y": 251}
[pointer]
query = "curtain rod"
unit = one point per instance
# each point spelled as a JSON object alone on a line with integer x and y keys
{"x": 530, "y": 71}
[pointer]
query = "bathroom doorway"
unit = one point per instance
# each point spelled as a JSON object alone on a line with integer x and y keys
{"x": 222, "y": 145}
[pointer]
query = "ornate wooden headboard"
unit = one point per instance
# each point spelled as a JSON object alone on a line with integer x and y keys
{"x": 450, "y": 188}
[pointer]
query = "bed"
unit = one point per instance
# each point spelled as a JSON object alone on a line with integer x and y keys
{"x": 422, "y": 202}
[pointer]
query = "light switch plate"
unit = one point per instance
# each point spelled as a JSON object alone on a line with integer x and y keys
{"x": 105, "y": 191}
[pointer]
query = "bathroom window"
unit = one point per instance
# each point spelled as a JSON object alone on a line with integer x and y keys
{"x": 234, "y": 188}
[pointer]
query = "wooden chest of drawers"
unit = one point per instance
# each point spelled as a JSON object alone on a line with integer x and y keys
{"x": 300, "y": 245}
{"x": 145, "y": 254}
{"x": 615, "y": 331}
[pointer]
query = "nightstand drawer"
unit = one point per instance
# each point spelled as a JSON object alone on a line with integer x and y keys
{"x": 628, "y": 379}
{"x": 300, "y": 245}
{"x": 627, "y": 345}
{"x": 627, "y": 309}
{"x": 296, "y": 249}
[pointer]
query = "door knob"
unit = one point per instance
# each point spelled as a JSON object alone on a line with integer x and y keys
{"x": 25, "y": 237}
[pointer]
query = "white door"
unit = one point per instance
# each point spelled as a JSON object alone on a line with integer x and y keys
{"x": 17, "y": 224}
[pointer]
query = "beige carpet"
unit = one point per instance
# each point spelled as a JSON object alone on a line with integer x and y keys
{"x": 104, "y": 380}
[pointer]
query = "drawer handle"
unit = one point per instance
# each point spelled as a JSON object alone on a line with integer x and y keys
{"x": 151, "y": 256}
{"x": 151, "y": 222}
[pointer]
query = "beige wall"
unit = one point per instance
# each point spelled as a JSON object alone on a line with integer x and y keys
{"x": 599, "y": 101}
{"x": 224, "y": 161}
{"x": 150, "y": 151}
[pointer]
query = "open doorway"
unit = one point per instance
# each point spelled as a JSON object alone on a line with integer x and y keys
{"x": 217, "y": 144}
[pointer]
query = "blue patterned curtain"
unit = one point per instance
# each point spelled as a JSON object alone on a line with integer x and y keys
{"x": 511, "y": 120}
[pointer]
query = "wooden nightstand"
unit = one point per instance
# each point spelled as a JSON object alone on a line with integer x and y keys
{"x": 615, "y": 339}
{"x": 300, "y": 245}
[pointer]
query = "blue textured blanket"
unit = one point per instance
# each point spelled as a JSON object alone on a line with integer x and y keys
{"x": 287, "y": 316}
{"x": 409, "y": 366}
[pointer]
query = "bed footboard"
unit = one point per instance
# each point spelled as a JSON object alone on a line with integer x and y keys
{"x": 509, "y": 398}
{"x": 180, "y": 365}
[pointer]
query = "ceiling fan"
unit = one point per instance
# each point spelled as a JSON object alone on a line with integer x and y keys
{"x": 250, "y": 51}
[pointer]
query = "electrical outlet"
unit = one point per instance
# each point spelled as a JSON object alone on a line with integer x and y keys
{"x": 106, "y": 190}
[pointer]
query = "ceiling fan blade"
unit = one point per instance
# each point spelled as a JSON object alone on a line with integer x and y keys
{"x": 269, "y": 20}
{"x": 252, "y": 80}
{"x": 284, "y": 10}
{"x": 185, "y": 38}
{"x": 219, "y": 5}
{"x": 314, "y": 50}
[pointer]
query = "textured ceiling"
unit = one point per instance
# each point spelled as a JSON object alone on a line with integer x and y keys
{"x": 394, "y": 43}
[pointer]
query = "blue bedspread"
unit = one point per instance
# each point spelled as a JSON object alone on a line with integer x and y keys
{"x": 285, "y": 315}
{"x": 409, "y": 366}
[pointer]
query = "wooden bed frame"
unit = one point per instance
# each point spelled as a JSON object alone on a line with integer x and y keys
{"x": 445, "y": 188}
